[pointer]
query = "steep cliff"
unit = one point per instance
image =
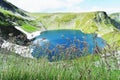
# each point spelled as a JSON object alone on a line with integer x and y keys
{"x": 116, "y": 18}
{"x": 11, "y": 16}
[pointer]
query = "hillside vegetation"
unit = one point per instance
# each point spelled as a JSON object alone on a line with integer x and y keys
{"x": 91, "y": 22}
{"x": 11, "y": 15}
{"x": 7, "y": 18}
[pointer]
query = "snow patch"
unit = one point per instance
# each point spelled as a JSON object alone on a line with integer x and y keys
{"x": 29, "y": 35}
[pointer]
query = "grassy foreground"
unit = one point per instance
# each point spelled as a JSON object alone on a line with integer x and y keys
{"x": 14, "y": 67}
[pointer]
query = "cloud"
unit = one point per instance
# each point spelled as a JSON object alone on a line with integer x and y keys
{"x": 46, "y": 5}
{"x": 109, "y": 10}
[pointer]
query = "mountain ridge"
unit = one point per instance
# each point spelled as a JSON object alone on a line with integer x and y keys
{"x": 89, "y": 22}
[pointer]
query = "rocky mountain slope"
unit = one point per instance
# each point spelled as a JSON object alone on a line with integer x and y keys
{"x": 116, "y": 17}
{"x": 11, "y": 16}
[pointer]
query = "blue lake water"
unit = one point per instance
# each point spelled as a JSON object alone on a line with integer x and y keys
{"x": 53, "y": 43}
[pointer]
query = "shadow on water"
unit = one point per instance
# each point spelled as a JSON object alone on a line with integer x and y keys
{"x": 65, "y": 44}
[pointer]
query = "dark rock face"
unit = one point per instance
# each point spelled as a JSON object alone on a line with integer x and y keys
{"x": 8, "y": 6}
{"x": 117, "y": 24}
{"x": 115, "y": 16}
{"x": 1, "y": 41}
{"x": 8, "y": 29}
{"x": 13, "y": 35}
{"x": 102, "y": 17}
{"x": 116, "y": 19}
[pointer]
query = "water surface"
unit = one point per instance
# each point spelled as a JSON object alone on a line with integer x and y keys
{"x": 56, "y": 42}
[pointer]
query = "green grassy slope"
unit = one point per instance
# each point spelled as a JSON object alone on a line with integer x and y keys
{"x": 7, "y": 18}
{"x": 18, "y": 68}
{"x": 87, "y": 22}
{"x": 91, "y": 22}
{"x": 10, "y": 15}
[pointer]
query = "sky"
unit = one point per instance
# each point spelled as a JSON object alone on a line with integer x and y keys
{"x": 51, "y": 6}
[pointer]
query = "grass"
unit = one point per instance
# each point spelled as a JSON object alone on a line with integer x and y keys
{"x": 18, "y": 68}
{"x": 29, "y": 28}
{"x": 113, "y": 38}
{"x": 13, "y": 66}
{"x": 65, "y": 18}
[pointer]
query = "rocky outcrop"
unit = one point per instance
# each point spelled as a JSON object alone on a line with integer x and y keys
{"x": 24, "y": 51}
{"x": 116, "y": 19}
{"x": 13, "y": 35}
{"x": 1, "y": 41}
{"x": 115, "y": 16}
{"x": 110, "y": 60}
{"x": 102, "y": 16}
